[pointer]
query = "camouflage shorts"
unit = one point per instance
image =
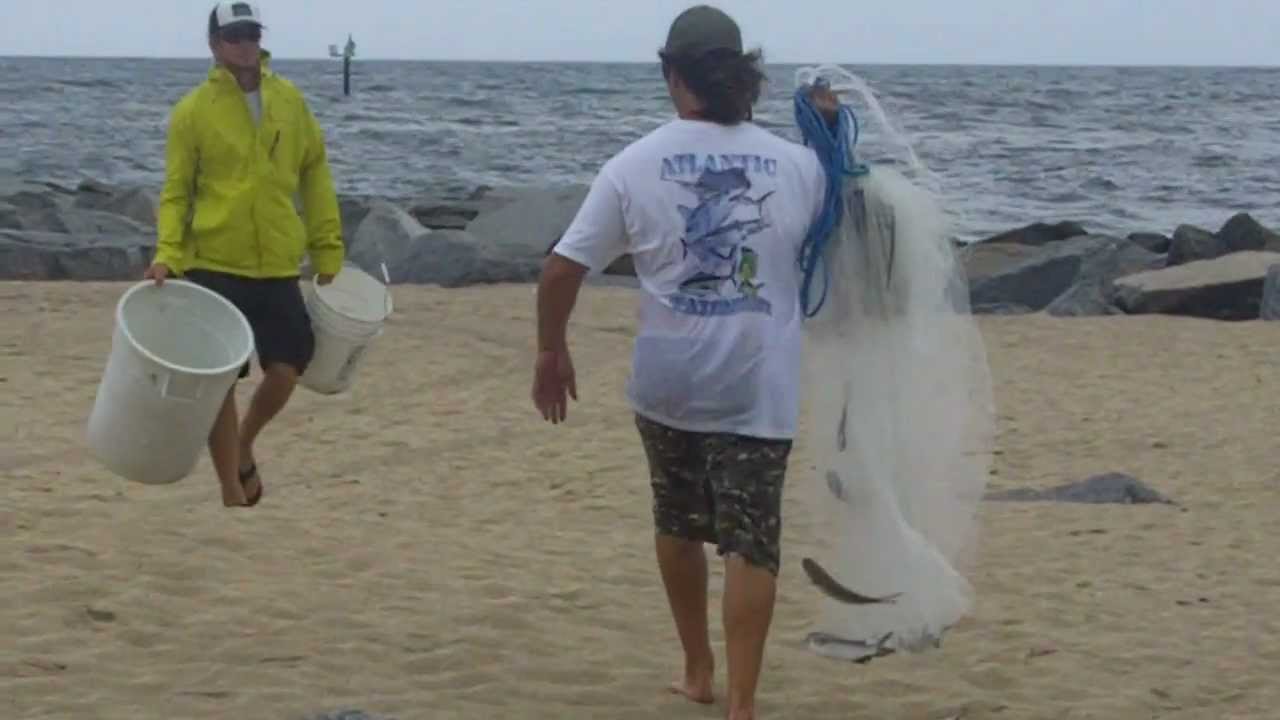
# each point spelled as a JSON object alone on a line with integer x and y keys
{"x": 718, "y": 488}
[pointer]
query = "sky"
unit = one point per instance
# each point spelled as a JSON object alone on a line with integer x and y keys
{"x": 1038, "y": 32}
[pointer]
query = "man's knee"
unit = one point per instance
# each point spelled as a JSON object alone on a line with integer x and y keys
{"x": 282, "y": 371}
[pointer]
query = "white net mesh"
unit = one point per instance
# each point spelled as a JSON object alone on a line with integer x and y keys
{"x": 900, "y": 423}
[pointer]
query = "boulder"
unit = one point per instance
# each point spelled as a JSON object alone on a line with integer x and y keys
{"x": 34, "y": 255}
{"x": 1190, "y": 243}
{"x": 442, "y": 216}
{"x": 386, "y": 234}
{"x": 1035, "y": 282}
{"x": 530, "y": 223}
{"x": 1242, "y": 232}
{"x": 353, "y": 209}
{"x": 76, "y": 221}
{"x": 981, "y": 261}
{"x": 457, "y": 214}
{"x": 1093, "y": 292}
{"x": 418, "y": 255}
{"x": 1270, "y": 309}
{"x": 456, "y": 258}
{"x": 135, "y": 203}
{"x": 1155, "y": 242}
{"x": 1228, "y": 287}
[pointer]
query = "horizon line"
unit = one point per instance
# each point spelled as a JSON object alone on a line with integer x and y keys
{"x": 548, "y": 61}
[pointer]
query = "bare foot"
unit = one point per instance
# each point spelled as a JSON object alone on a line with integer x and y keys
{"x": 696, "y": 686}
{"x": 233, "y": 495}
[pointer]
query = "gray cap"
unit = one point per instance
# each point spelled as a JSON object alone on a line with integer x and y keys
{"x": 701, "y": 29}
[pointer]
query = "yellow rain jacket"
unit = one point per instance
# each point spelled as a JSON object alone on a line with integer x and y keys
{"x": 228, "y": 198}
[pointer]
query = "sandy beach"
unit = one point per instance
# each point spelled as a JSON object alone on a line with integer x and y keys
{"x": 429, "y": 548}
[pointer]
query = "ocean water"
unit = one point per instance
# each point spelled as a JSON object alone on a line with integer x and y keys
{"x": 1117, "y": 149}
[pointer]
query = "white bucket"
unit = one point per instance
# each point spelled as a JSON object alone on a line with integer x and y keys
{"x": 176, "y": 351}
{"x": 346, "y": 316}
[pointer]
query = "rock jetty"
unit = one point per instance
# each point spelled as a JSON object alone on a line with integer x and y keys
{"x": 99, "y": 231}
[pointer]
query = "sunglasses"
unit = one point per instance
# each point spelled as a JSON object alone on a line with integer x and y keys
{"x": 241, "y": 33}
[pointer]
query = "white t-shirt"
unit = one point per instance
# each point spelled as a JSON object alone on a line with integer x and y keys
{"x": 714, "y": 218}
{"x": 255, "y": 105}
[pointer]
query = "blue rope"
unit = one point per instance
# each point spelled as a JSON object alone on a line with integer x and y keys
{"x": 835, "y": 151}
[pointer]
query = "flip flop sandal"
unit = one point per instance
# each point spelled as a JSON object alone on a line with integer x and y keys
{"x": 245, "y": 475}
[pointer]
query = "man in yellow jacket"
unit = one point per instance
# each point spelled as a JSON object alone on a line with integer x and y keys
{"x": 240, "y": 146}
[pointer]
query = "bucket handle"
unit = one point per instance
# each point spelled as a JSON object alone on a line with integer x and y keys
{"x": 168, "y": 395}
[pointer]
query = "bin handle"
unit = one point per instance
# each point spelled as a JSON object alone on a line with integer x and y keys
{"x": 166, "y": 393}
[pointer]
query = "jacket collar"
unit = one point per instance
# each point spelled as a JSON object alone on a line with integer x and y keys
{"x": 219, "y": 74}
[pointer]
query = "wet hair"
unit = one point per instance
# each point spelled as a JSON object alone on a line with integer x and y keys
{"x": 727, "y": 82}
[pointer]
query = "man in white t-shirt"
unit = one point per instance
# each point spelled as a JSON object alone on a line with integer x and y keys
{"x": 713, "y": 211}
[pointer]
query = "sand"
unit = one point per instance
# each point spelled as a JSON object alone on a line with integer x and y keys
{"x": 429, "y": 548}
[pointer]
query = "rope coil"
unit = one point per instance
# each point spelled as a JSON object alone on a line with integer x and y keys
{"x": 834, "y": 147}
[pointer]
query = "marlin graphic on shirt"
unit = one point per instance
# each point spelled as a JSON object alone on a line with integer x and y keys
{"x": 711, "y": 237}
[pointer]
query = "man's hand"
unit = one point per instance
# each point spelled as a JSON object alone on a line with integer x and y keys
{"x": 323, "y": 279}
{"x": 157, "y": 272}
{"x": 826, "y": 102}
{"x": 553, "y": 379}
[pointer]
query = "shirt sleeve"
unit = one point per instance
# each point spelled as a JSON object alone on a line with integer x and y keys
{"x": 175, "y": 194}
{"x": 597, "y": 236}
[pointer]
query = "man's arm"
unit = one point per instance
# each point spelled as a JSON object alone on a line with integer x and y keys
{"x": 557, "y": 293}
{"x": 321, "y": 214}
{"x": 596, "y": 237}
{"x": 173, "y": 212}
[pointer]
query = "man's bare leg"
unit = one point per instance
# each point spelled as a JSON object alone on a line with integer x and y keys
{"x": 749, "y": 593}
{"x": 684, "y": 574}
{"x": 224, "y": 451}
{"x": 269, "y": 399}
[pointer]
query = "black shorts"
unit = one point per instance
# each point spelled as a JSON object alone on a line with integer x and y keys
{"x": 718, "y": 488}
{"x": 275, "y": 310}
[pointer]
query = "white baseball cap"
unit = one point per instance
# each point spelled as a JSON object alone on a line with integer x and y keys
{"x": 234, "y": 13}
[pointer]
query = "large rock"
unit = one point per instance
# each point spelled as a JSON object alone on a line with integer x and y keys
{"x": 981, "y": 260}
{"x": 135, "y": 203}
{"x": 1191, "y": 243}
{"x": 74, "y": 221}
{"x": 529, "y": 224}
{"x": 418, "y": 255}
{"x": 1093, "y": 292}
{"x": 33, "y": 255}
{"x": 440, "y": 214}
{"x": 1228, "y": 287}
{"x": 1270, "y": 309}
{"x": 1240, "y": 232}
{"x": 386, "y": 234}
{"x": 1243, "y": 232}
{"x": 1155, "y": 242}
{"x": 1034, "y": 283}
{"x": 456, "y": 258}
